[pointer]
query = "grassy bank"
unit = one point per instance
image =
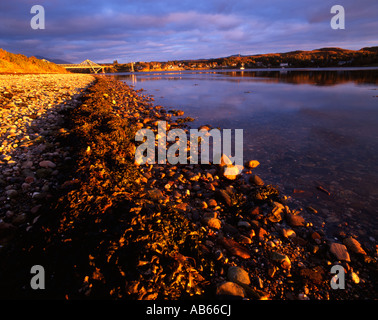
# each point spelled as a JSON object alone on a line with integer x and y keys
{"x": 18, "y": 63}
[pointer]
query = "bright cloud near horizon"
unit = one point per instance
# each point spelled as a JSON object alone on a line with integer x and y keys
{"x": 154, "y": 30}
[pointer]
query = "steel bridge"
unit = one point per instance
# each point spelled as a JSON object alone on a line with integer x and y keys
{"x": 86, "y": 64}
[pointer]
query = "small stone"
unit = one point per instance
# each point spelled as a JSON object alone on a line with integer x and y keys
{"x": 295, "y": 220}
{"x": 262, "y": 234}
{"x": 277, "y": 213}
{"x": 251, "y": 233}
{"x": 256, "y": 180}
{"x": 238, "y": 275}
{"x": 213, "y": 223}
{"x": 245, "y": 240}
{"x": 311, "y": 209}
{"x": 35, "y": 209}
{"x": 244, "y": 224}
{"x": 230, "y": 290}
{"x": 354, "y": 246}
{"x": 29, "y": 179}
{"x": 47, "y": 164}
{"x": 235, "y": 248}
{"x": 183, "y": 206}
{"x": 25, "y": 186}
{"x": 232, "y": 172}
{"x": 155, "y": 194}
{"x": 355, "y": 278}
{"x": 225, "y": 196}
{"x": 212, "y": 203}
{"x": 212, "y": 214}
{"x": 316, "y": 237}
{"x": 340, "y": 251}
{"x": 11, "y": 193}
{"x": 204, "y": 205}
{"x": 281, "y": 258}
{"x": 288, "y": 233}
{"x": 252, "y": 164}
{"x": 256, "y": 211}
{"x": 27, "y": 165}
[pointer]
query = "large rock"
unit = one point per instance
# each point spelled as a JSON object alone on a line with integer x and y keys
{"x": 235, "y": 248}
{"x": 226, "y": 197}
{"x": 282, "y": 259}
{"x": 47, "y": 164}
{"x": 339, "y": 251}
{"x": 212, "y": 222}
{"x": 295, "y": 220}
{"x": 238, "y": 275}
{"x": 156, "y": 194}
{"x": 255, "y": 179}
{"x": 230, "y": 290}
{"x": 354, "y": 246}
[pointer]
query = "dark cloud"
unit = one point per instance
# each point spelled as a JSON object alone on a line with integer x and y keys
{"x": 171, "y": 29}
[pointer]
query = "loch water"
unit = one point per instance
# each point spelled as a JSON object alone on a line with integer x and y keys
{"x": 308, "y": 128}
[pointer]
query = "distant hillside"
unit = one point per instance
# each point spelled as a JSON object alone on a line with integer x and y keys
{"x": 18, "y": 63}
{"x": 323, "y": 57}
{"x": 57, "y": 61}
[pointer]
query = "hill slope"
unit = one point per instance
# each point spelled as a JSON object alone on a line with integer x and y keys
{"x": 18, "y": 63}
{"x": 323, "y": 57}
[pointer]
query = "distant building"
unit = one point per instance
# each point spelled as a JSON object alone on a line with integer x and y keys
{"x": 284, "y": 65}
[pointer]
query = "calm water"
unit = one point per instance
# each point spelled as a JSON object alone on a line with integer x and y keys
{"x": 306, "y": 128}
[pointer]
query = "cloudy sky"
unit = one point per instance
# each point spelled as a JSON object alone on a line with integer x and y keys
{"x": 161, "y": 30}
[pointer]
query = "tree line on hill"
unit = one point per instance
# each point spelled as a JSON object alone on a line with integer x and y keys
{"x": 325, "y": 57}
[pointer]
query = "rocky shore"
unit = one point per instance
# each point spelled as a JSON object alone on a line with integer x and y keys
{"x": 103, "y": 227}
{"x": 30, "y": 107}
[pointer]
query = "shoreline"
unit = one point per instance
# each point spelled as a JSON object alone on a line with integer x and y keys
{"x": 166, "y": 232}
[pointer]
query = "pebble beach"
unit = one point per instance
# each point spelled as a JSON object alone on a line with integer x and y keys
{"x": 29, "y": 157}
{"x": 105, "y": 227}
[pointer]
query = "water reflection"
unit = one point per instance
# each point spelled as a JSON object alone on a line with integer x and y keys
{"x": 326, "y": 77}
{"x": 307, "y": 128}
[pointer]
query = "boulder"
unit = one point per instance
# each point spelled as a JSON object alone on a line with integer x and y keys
{"x": 238, "y": 275}
{"x": 256, "y": 180}
{"x": 295, "y": 220}
{"x": 354, "y": 246}
{"x": 235, "y": 248}
{"x": 230, "y": 290}
{"x": 339, "y": 251}
{"x": 226, "y": 197}
{"x": 213, "y": 223}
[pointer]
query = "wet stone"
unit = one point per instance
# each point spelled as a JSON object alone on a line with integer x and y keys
{"x": 339, "y": 251}
{"x": 295, "y": 220}
{"x": 229, "y": 290}
{"x": 238, "y": 275}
